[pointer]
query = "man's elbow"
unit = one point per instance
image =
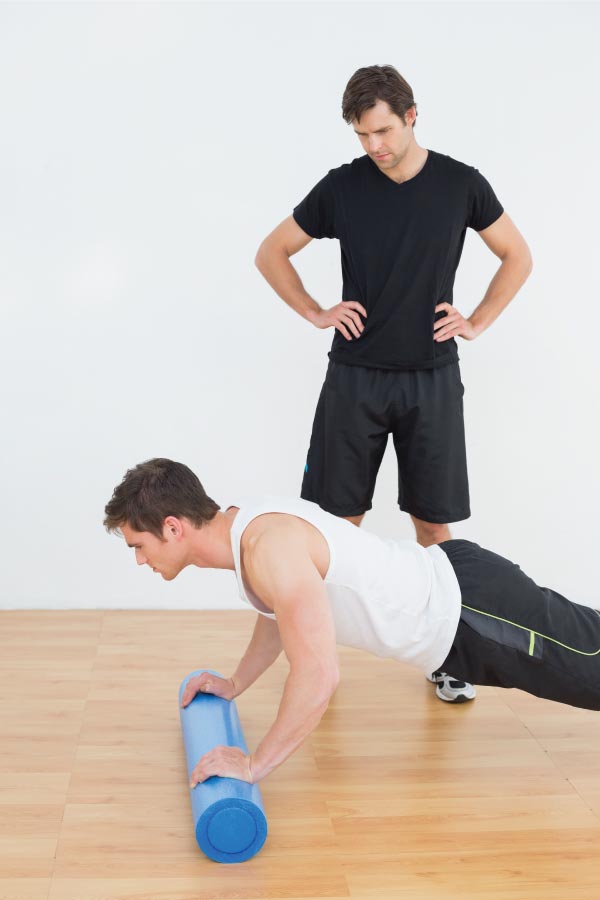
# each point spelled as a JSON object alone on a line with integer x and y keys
{"x": 322, "y": 682}
{"x": 330, "y": 681}
{"x": 527, "y": 262}
{"x": 267, "y": 253}
{"x": 521, "y": 259}
{"x": 261, "y": 257}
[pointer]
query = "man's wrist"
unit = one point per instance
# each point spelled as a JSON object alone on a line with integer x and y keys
{"x": 256, "y": 771}
{"x": 477, "y": 325}
{"x": 312, "y": 313}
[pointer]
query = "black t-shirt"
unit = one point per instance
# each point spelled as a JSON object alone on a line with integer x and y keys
{"x": 401, "y": 245}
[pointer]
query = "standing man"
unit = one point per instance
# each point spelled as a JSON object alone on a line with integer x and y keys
{"x": 400, "y": 213}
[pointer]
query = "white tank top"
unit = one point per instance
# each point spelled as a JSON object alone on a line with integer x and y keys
{"x": 391, "y": 598}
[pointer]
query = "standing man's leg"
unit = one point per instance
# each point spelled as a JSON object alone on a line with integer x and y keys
{"x": 429, "y": 439}
{"x": 355, "y": 413}
{"x": 349, "y": 436}
{"x": 355, "y": 520}
{"x": 433, "y": 485}
{"x": 429, "y": 533}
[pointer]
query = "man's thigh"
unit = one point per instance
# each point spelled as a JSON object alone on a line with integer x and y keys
{"x": 513, "y": 633}
{"x": 429, "y": 438}
{"x": 349, "y": 435}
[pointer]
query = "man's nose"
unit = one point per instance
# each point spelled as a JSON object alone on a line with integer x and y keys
{"x": 140, "y": 558}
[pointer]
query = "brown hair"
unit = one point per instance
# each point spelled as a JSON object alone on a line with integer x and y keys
{"x": 153, "y": 490}
{"x": 373, "y": 83}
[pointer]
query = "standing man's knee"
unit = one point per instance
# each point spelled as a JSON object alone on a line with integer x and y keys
{"x": 429, "y": 533}
{"x": 356, "y": 520}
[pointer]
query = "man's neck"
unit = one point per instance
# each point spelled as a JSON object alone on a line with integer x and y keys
{"x": 410, "y": 165}
{"x": 214, "y": 549}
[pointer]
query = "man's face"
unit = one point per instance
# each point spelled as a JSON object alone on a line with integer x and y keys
{"x": 384, "y": 136}
{"x": 166, "y": 557}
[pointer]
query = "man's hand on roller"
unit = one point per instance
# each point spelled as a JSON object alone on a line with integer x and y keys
{"x": 208, "y": 684}
{"x": 227, "y": 762}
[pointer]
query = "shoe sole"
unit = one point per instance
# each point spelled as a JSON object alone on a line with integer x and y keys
{"x": 460, "y": 698}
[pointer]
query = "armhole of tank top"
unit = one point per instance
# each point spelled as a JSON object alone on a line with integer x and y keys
{"x": 238, "y": 549}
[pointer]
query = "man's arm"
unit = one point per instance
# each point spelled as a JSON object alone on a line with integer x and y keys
{"x": 273, "y": 262}
{"x": 280, "y": 571}
{"x": 262, "y": 651}
{"x": 507, "y": 243}
{"x": 288, "y": 579}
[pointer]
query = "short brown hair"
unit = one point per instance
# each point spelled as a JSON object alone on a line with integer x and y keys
{"x": 153, "y": 490}
{"x": 373, "y": 83}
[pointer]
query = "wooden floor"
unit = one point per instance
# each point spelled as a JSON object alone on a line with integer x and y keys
{"x": 396, "y": 795}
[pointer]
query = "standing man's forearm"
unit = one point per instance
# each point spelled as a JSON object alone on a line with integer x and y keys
{"x": 508, "y": 280}
{"x": 507, "y": 243}
{"x": 273, "y": 262}
{"x": 275, "y": 267}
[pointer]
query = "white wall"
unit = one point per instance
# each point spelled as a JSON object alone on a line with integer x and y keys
{"x": 147, "y": 148}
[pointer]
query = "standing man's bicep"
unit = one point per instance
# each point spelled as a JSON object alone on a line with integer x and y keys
{"x": 503, "y": 237}
{"x": 287, "y": 237}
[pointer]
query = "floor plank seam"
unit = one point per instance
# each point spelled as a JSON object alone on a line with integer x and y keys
{"x": 558, "y": 768}
{"x": 90, "y": 682}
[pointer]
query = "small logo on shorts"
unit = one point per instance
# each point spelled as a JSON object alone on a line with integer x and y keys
{"x": 306, "y": 468}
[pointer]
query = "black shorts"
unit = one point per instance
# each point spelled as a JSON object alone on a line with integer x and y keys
{"x": 514, "y": 634}
{"x": 358, "y": 408}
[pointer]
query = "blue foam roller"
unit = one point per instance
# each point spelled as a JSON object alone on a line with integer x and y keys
{"x": 229, "y": 817}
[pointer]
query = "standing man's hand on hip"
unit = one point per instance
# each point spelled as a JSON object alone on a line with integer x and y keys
{"x": 345, "y": 317}
{"x": 453, "y": 324}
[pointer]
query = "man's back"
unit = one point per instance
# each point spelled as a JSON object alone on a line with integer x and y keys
{"x": 392, "y": 598}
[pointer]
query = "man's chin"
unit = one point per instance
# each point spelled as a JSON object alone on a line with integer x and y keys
{"x": 168, "y": 576}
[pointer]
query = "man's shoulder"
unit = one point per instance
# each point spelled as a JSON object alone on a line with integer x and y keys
{"x": 273, "y": 545}
{"x": 270, "y": 515}
{"x": 275, "y": 520}
{"x": 452, "y": 167}
{"x": 349, "y": 171}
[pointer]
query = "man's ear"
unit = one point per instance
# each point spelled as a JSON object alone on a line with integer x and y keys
{"x": 172, "y": 527}
{"x": 410, "y": 116}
